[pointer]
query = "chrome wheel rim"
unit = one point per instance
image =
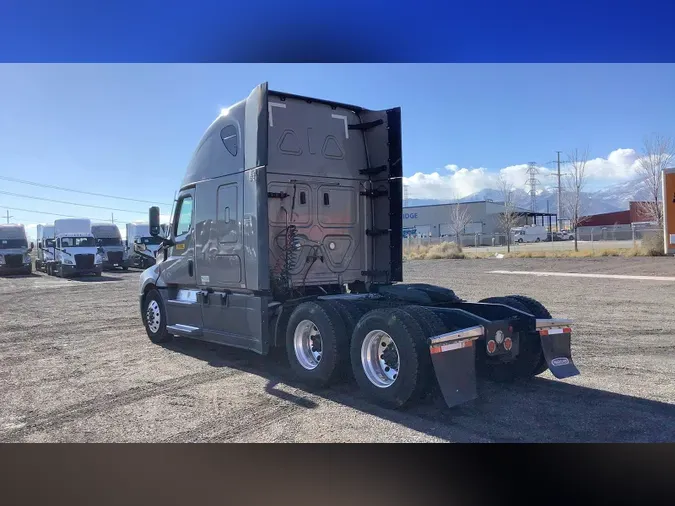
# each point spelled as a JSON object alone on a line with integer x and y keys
{"x": 153, "y": 316}
{"x": 380, "y": 359}
{"x": 307, "y": 344}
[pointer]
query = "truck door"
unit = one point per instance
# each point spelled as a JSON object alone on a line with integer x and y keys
{"x": 178, "y": 270}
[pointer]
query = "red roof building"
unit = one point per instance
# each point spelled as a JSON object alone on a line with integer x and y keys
{"x": 632, "y": 215}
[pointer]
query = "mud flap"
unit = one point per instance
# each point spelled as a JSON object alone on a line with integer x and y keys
{"x": 556, "y": 343}
{"x": 454, "y": 359}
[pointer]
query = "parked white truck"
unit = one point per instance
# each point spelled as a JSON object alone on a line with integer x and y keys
{"x": 109, "y": 240}
{"x": 530, "y": 233}
{"x": 75, "y": 251}
{"x": 14, "y": 250}
{"x": 141, "y": 246}
{"x": 45, "y": 247}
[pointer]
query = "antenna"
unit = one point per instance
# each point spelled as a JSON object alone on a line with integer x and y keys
{"x": 532, "y": 182}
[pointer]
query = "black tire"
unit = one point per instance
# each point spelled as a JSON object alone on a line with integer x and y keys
{"x": 334, "y": 343}
{"x": 125, "y": 268}
{"x": 539, "y": 311}
{"x": 350, "y": 312}
{"x": 160, "y": 335}
{"x": 529, "y": 354}
{"x": 537, "y": 239}
{"x": 428, "y": 320}
{"x": 415, "y": 371}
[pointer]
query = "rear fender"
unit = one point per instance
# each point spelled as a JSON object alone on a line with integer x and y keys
{"x": 556, "y": 343}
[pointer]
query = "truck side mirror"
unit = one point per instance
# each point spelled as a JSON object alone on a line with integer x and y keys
{"x": 153, "y": 220}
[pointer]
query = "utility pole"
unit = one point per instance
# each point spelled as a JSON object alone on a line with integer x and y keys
{"x": 8, "y": 216}
{"x": 559, "y": 195}
{"x": 112, "y": 217}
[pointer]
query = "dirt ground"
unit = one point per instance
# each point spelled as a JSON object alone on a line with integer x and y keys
{"x": 76, "y": 365}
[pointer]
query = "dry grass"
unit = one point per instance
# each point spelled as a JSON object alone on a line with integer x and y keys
{"x": 449, "y": 250}
{"x": 652, "y": 244}
{"x": 443, "y": 250}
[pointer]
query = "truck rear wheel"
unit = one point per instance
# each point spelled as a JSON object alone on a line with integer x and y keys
{"x": 350, "y": 312}
{"x": 390, "y": 357}
{"x": 529, "y": 355}
{"x": 539, "y": 311}
{"x": 316, "y": 343}
{"x": 154, "y": 318}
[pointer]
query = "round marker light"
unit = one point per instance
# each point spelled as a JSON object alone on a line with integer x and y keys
{"x": 491, "y": 346}
{"x": 508, "y": 344}
{"x": 499, "y": 336}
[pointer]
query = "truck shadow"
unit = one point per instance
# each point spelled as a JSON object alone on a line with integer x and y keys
{"x": 539, "y": 410}
{"x": 93, "y": 279}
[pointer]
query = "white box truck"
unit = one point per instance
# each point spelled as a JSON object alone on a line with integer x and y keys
{"x": 45, "y": 247}
{"x": 530, "y": 233}
{"x": 14, "y": 250}
{"x": 109, "y": 240}
{"x": 75, "y": 250}
{"x": 141, "y": 246}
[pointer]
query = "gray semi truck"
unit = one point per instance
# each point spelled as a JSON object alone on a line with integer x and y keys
{"x": 109, "y": 241}
{"x": 15, "y": 253}
{"x": 287, "y": 232}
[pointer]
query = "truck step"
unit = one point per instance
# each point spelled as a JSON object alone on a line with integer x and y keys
{"x": 184, "y": 330}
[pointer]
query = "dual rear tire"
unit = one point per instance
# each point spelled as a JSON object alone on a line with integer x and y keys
{"x": 386, "y": 348}
{"x": 530, "y": 360}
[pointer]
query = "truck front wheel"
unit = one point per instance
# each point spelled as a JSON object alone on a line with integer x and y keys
{"x": 317, "y": 343}
{"x": 154, "y": 318}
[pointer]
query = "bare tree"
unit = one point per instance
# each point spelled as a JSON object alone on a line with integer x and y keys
{"x": 573, "y": 187}
{"x": 658, "y": 153}
{"x": 509, "y": 217}
{"x": 458, "y": 220}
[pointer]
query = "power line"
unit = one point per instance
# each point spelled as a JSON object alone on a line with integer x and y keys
{"x": 69, "y": 203}
{"x": 53, "y": 214}
{"x": 53, "y": 187}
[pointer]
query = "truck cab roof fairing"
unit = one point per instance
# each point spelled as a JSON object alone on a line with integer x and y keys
{"x": 218, "y": 154}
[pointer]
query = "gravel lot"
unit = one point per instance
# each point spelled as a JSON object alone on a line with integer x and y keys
{"x": 76, "y": 365}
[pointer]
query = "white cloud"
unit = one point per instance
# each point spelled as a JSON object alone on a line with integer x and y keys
{"x": 457, "y": 182}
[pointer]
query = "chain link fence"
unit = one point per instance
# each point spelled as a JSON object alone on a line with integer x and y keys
{"x": 588, "y": 238}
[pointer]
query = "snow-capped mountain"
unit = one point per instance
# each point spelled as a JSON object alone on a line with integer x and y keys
{"x": 612, "y": 198}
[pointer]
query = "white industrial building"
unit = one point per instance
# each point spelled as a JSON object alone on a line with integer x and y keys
{"x": 484, "y": 221}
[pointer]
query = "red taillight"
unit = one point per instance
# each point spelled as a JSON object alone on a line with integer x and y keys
{"x": 491, "y": 346}
{"x": 508, "y": 343}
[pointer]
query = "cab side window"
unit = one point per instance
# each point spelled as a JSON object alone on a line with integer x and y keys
{"x": 184, "y": 217}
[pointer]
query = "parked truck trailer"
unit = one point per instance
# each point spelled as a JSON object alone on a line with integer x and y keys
{"x": 112, "y": 250}
{"x": 75, "y": 251}
{"x": 14, "y": 250}
{"x": 45, "y": 247}
{"x": 286, "y": 232}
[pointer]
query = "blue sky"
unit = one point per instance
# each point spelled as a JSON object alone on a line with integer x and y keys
{"x": 130, "y": 130}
